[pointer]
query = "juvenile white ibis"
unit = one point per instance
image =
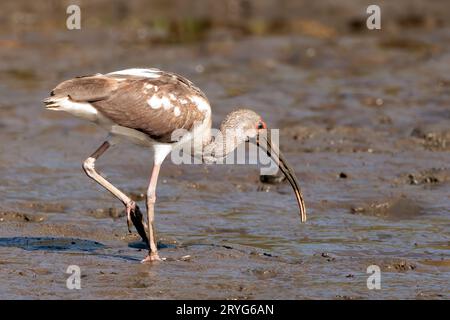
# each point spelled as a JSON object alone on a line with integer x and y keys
{"x": 146, "y": 106}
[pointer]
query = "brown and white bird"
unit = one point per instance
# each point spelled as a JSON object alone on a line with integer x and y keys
{"x": 146, "y": 107}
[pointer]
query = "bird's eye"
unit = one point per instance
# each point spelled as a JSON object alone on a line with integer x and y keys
{"x": 261, "y": 125}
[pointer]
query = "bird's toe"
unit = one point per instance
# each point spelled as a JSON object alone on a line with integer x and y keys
{"x": 152, "y": 258}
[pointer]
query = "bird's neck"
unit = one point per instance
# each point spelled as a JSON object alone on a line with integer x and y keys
{"x": 220, "y": 144}
{"x": 215, "y": 150}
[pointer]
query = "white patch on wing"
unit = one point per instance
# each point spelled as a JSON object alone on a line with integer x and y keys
{"x": 166, "y": 103}
{"x": 201, "y": 104}
{"x": 177, "y": 111}
{"x": 138, "y": 72}
{"x": 154, "y": 102}
{"x": 172, "y": 96}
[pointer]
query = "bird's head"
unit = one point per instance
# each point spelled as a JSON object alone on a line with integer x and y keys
{"x": 243, "y": 125}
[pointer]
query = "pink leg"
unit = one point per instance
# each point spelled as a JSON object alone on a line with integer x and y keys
{"x": 151, "y": 199}
{"x": 133, "y": 213}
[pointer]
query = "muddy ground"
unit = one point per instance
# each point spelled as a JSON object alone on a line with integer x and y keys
{"x": 364, "y": 119}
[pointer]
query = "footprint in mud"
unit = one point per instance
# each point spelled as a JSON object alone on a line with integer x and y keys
{"x": 44, "y": 207}
{"x": 7, "y": 216}
{"x": 263, "y": 274}
{"x": 394, "y": 209}
{"x": 398, "y": 266}
{"x": 431, "y": 176}
{"x": 103, "y": 213}
{"x": 433, "y": 137}
{"x": 51, "y": 244}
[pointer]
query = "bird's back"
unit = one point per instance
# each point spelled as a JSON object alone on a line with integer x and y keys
{"x": 147, "y": 100}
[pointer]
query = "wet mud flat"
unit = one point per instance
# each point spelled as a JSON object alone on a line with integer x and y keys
{"x": 364, "y": 120}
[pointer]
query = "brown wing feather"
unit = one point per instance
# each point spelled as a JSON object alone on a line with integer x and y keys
{"x": 125, "y": 100}
{"x": 128, "y": 106}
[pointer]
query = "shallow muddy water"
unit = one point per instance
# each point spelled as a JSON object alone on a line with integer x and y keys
{"x": 364, "y": 120}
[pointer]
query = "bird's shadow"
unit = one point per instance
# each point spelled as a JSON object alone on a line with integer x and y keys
{"x": 60, "y": 244}
{"x": 141, "y": 245}
{"x": 51, "y": 244}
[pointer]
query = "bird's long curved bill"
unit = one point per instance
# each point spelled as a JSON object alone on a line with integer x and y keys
{"x": 273, "y": 151}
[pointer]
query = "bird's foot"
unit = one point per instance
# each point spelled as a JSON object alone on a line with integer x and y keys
{"x": 130, "y": 207}
{"x": 152, "y": 257}
{"x": 134, "y": 216}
